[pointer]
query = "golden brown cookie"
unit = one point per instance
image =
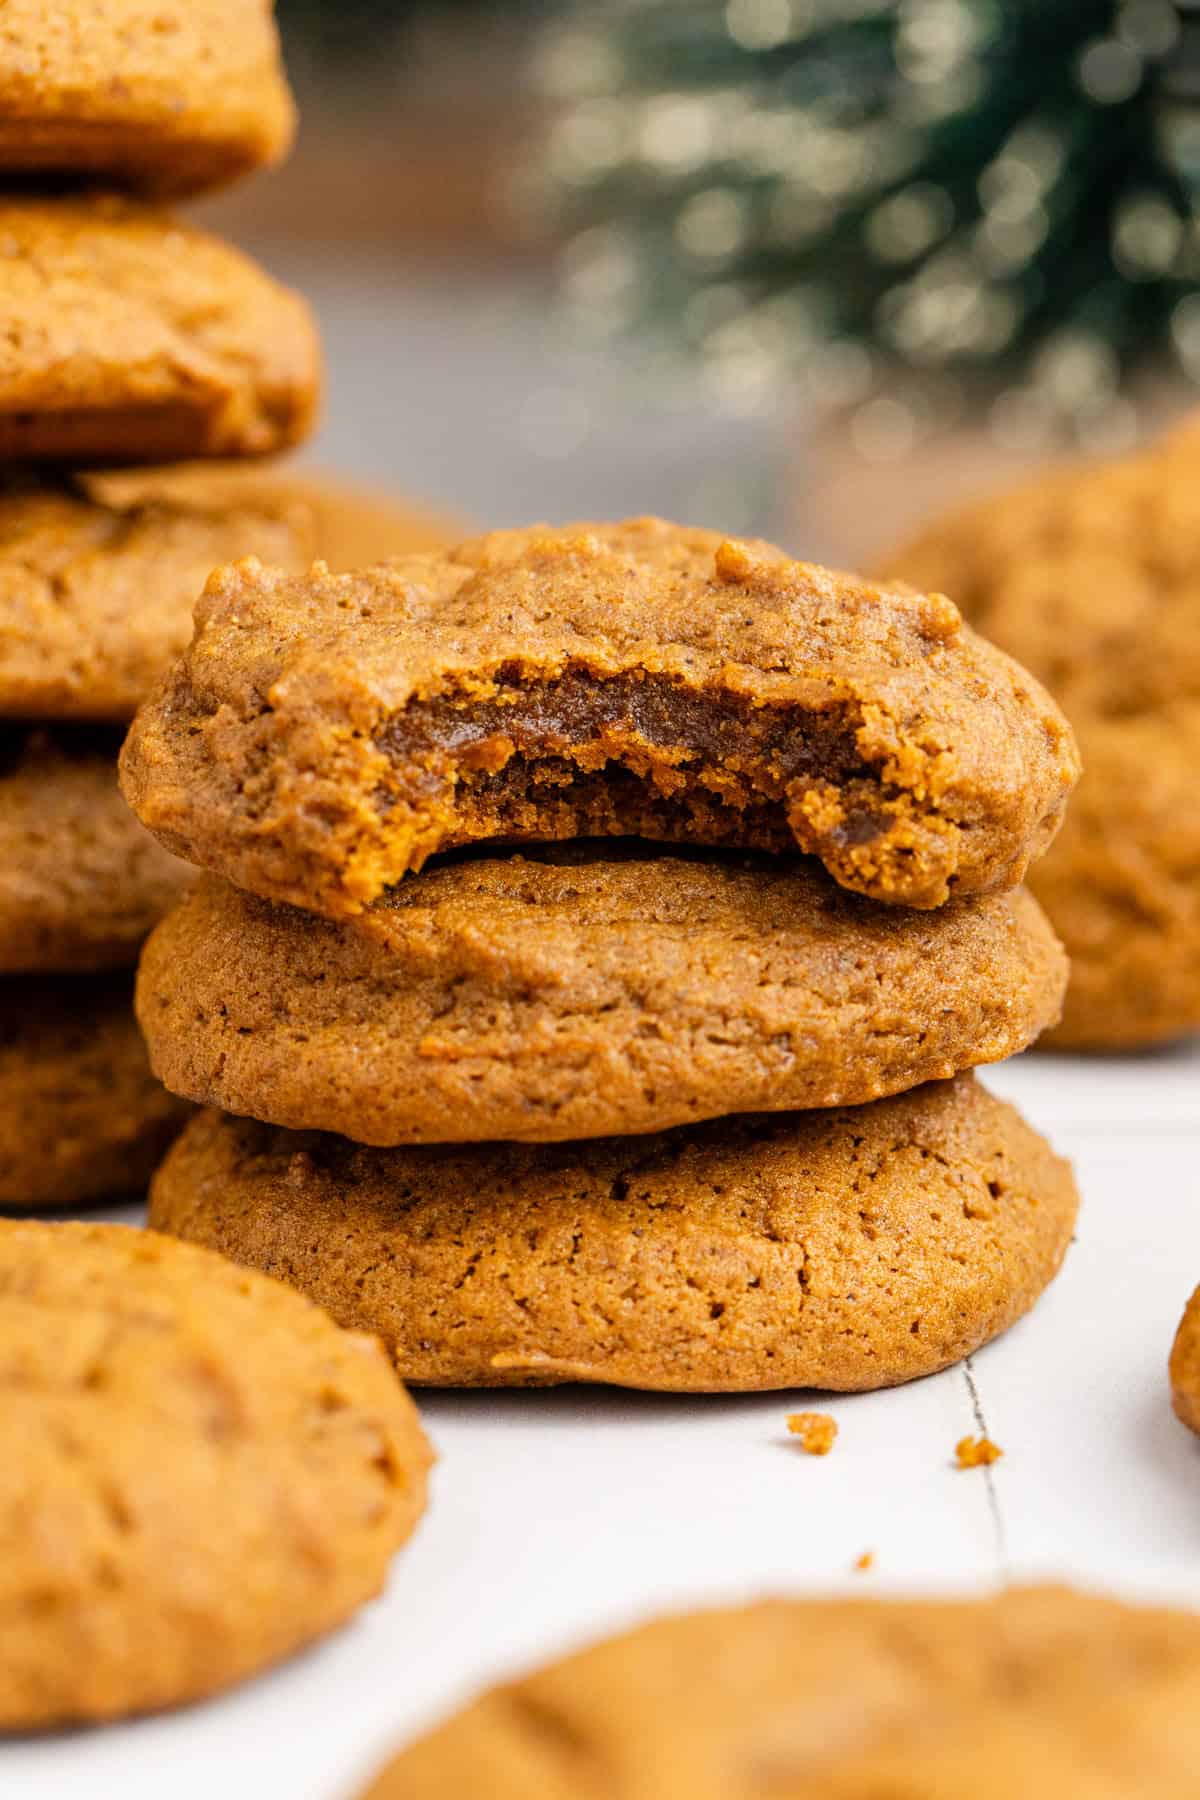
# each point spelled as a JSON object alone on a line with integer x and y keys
{"x": 81, "y": 1117}
{"x": 201, "y": 1473}
{"x": 172, "y": 96}
{"x": 81, "y": 882}
{"x": 325, "y": 734}
{"x": 1123, "y": 885}
{"x": 847, "y": 1249}
{"x": 1185, "y": 1365}
{"x": 128, "y": 336}
{"x": 96, "y": 599}
{"x": 1037, "y": 1691}
{"x": 1090, "y": 577}
{"x": 350, "y": 525}
{"x": 577, "y": 991}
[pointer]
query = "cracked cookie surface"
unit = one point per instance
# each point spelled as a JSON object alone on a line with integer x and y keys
{"x": 848, "y": 1249}
{"x": 325, "y": 734}
{"x": 584, "y": 989}
{"x": 1032, "y": 1690}
{"x": 127, "y": 335}
{"x": 202, "y": 1473}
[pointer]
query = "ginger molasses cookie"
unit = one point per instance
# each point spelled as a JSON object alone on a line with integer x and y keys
{"x": 1185, "y": 1365}
{"x": 173, "y": 97}
{"x": 1038, "y": 1691}
{"x": 1090, "y": 577}
{"x": 81, "y": 882}
{"x": 128, "y": 336}
{"x": 325, "y": 734}
{"x": 847, "y": 1249}
{"x": 350, "y": 526}
{"x": 201, "y": 1473}
{"x": 1123, "y": 884}
{"x": 96, "y": 599}
{"x": 82, "y": 1119}
{"x": 583, "y": 989}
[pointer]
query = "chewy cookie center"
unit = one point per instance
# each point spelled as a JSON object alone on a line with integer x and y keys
{"x": 590, "y": 753}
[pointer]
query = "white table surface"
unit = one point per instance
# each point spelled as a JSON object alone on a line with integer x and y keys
{"x": 558, "y": 1514}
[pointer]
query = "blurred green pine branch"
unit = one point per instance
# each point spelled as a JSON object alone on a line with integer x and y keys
{"x": 951, "y": 187}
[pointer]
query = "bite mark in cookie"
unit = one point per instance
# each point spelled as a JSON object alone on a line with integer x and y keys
{"x": 325, "y": 735}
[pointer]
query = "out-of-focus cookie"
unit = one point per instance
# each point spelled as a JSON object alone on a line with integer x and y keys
{"x": 96, "y": 599}
{"x": 82, "y": 1119}
{"x": 576, "y": 991}
{"x": 847, "y": 1249}
{"x": 1037, "y": 1691}
{"x": 1122, "y": 885}
{"x": 1185, "y": 1365}
{"x": 172, "y": 96}
{"x": 350, "y": 526}
{"x": 1090, "y": 576}
{"x": 81, "y": 882}
{"x": 593, "y": 680}
{"x": 128, "y": 336}
{"x": 356, "y": 526}
{"x": 200, "y": 1473}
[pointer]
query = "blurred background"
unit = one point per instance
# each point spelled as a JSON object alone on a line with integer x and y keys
{"x": 803, "y": 267}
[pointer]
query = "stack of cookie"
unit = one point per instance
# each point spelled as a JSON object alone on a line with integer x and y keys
{"x": 659, "y": 1072}
{"x": 125, "y": 337}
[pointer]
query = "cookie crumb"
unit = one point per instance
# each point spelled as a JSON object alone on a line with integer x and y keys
{"x": 816, "y": 1432}
{"x": 864, "y": 1562}
{"x": 975, "y": 1453}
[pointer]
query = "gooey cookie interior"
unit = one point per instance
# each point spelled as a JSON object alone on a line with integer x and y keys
{"x": 324, "y": 735}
